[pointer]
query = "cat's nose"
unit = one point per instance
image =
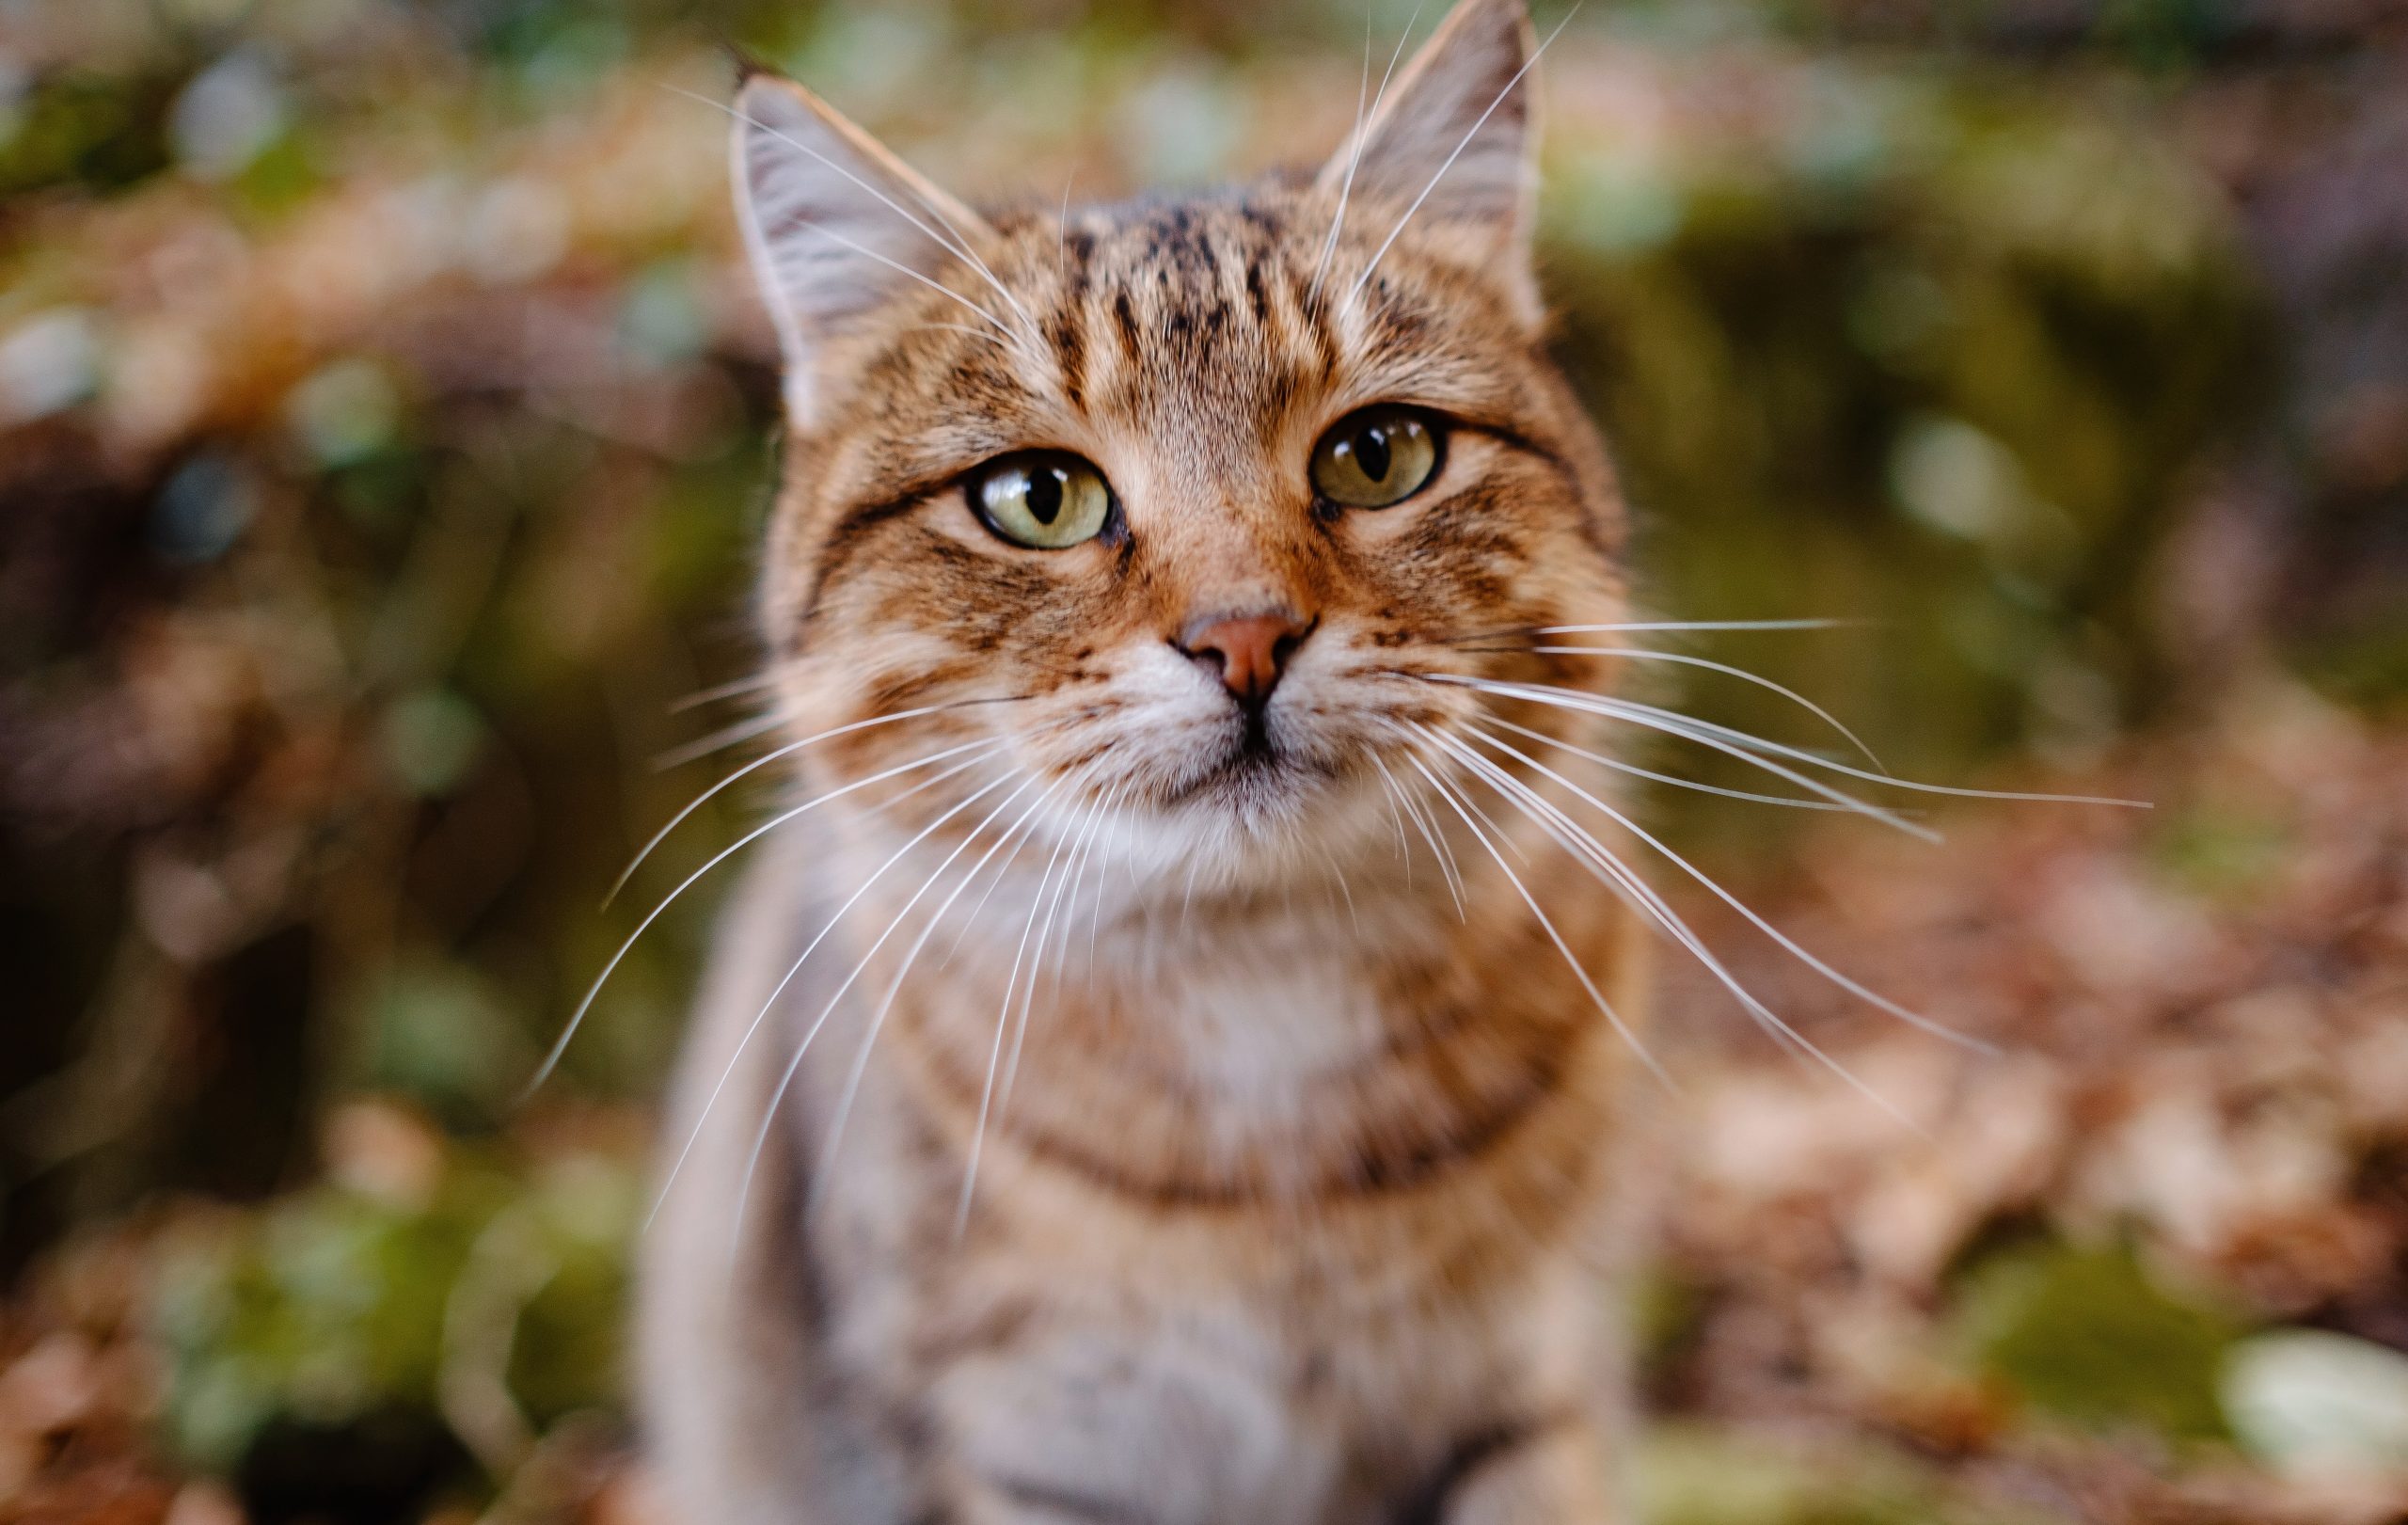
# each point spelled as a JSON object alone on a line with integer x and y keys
{"x": 1247, "y": 651}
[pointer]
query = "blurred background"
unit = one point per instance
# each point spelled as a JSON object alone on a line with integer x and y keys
{"x": 385, "y": 425}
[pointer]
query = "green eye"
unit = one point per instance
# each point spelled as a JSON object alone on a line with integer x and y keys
{"x": 1375, "y": 457}
{"x": 1045, "y": 500}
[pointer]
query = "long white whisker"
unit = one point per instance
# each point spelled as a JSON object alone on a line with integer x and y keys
{"x": 1023, "y": 837}
{"x": 1618, "y": 766}
{"x": 1346, "y": 187}
{"x": 979, "y": 334}
{"x": 1675, "y": 725}
{"x": 1396, "y": 819}
{"x": 1355, "y": 148}
{"x": 1003, "y": 1020}
{"x": 1077, "y": 882}
{"x": 725, "y": 737}
{"x": 769, "y": 1004}
{"x": 1618, "y": 876}
{"x": 1062, "y": 227}
{"x": 1338, "y": 869}
{"x": 794, "y": 1065}
{"x": 1500, "y": 832}
{"x": 1634, "y": 626}
{"x": 560, "y": 1045}
{"x": 886, "y": 1003}
{"x": 1637, "y": 654}
{"x": 1757, "y": 744}
{"x": 906, "y": 270}
{"x": 980, "y": 909}
{"x": 1445, "y": 870}
{"x": 1546, "y": 923}
{"x": 1527, "y": 64}
{"x": 757, "y": 763}
{"x": 1029, "y": 998}
{"x": 1870, "y": 997}
{"x": 1103, "y": 878}
{"x": 734, "y": 688}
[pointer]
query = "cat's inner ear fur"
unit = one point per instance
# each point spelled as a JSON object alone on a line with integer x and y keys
{"x": 835, "y": 223}
{"x": 1453, "y": 132}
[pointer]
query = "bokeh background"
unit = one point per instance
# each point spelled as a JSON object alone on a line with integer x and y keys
{"x": 384, "y": 427}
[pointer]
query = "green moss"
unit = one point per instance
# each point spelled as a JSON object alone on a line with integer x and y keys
{"x": 2089, "y": 1337}
{"x": 1694, "y": 1475}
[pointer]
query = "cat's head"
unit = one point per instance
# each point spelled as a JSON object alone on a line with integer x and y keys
{"x": 1178, "y": 504}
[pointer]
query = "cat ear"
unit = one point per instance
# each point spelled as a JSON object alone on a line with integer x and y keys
{"x": 1453, "y": 131}
{"x": 835, "y": 224}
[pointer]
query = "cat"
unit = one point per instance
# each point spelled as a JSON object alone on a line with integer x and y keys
{"x": 1173, "y": 1061}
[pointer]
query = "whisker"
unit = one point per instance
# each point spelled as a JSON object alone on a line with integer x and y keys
{"x": 886, "y": 1004}
{"x": 1396, "y": 819}
{"x": 1632, "y": 626}
{"x": 1338, "y": 871}
{"x": 1616, "y": 709}
{"x": 1354, "y": 151}
{"x": 902, "y": 269}
{"x": 1445, "y": 861}
{"x": 1530, "y": 632}
{"x": 827, "y": 930}
{"x": 1527, "y": 64}
{"x": 730, "y": 689}
{"x": 1500, "y": 832}
{"x": 1003, "y": 1020}
{"x": 1635, "y": 770}
{"x": 1620, "y": 877}
{"x": 1076, "y": 880}
{"x": 1637, "y": 654}
{"x": 726, "y": 736}
{"x": 1103, "y": 878}
{"x": 1029, "y": 998}
{"x": 979, "y": 334}
{"x": 861, "y": 964}
{"x": 1546, "y": 923}
{"x": 1346, "y": 187}
{"x": 763, "y": 761}
{"x": 1758, "y": 743}
{"x": 1870, "y": 998}
{"x": 560, "y": 1046}
{"x": 1062, "y": 227}
{"x": 1000, "y": 873}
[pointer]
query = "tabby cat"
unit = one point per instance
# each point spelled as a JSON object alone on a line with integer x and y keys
{"x": 1172, "y": 1060}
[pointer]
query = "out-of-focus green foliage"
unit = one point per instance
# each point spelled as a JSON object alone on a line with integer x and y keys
{"x": 2088, "y": 1336}
{"x": 476, "y": 1296}
{"x": 1688, "y": 1475}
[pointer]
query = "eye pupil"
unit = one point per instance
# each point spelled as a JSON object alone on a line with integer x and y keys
{"x": 1045, "y": 495}
{"x": 1372, "y": 453}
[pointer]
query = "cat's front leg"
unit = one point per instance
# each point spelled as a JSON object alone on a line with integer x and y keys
{"x": 1080, "y": 1423}
{"x": 1554, "y": 1473}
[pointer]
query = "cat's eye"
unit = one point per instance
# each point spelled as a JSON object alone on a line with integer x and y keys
{"x": 1044, "y": 500}
{"x": 1376, "y": 457}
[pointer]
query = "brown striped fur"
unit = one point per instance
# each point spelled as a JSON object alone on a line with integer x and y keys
{"x": 1295, "y": 1189}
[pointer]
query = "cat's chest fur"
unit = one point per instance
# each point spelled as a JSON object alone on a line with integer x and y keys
{"x": 1276, "y": 1260}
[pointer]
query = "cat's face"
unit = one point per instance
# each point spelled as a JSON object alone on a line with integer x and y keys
{"x": 1183, "y": 502}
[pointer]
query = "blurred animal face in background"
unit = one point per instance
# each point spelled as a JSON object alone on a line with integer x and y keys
{"x": 1184, "y": 502}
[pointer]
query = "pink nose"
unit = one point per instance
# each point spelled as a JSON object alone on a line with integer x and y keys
{"x": 1249, "y": 651}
